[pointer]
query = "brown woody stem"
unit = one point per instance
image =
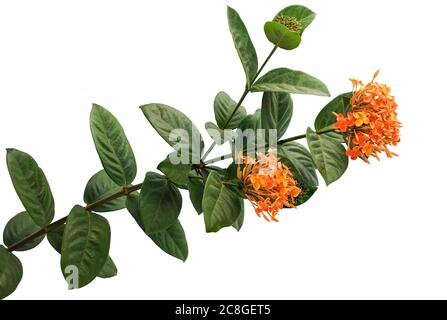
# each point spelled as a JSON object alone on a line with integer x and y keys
{"x": 126, "y": 191}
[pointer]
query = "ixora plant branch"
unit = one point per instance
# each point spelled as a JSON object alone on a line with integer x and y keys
{"x": 271, "y": 172}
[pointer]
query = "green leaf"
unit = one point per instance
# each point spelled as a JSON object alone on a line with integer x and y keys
{"x": 172, "y": 240}
{"x": 160, "y": 203}
{"x": 252, "y": 121}
{"x": 340, "y": 104}
{"x": 221, "y": 206}
{"x": 196, "y": 188}
{"x": 306, "y": 193}
{"x": 55, "y": 237}
{"x": 20, "y": 227}
{"x": 240, "y": 219}
{"x": 113, "y": 148}
{"x": 218, "y": 135}
{"x": 290, "y": 81}
{"x": 177, "y": 173}
{"x": 85, "y": 245}
{"x": 109, "y": 269}
{"x": 243, "y": 44}
{"x": 299, "y": 160}
{"x": 224, "y": 107}
{"x": 176, "y": 129}
{"x": 101, "y": 186}
{"x": 133, "y": 206}
{"x": 276, "y": 112}
{"x": 31, "y": 186}
{"x": 328, "y": 155}
{"x": 10, "y": 272}
{"x": 301, "y": 13}
{"x": 281, "y": 36}
{"x": 231, "y": 172}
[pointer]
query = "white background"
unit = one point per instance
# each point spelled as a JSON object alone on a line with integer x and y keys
{"x": 379, "y": 232}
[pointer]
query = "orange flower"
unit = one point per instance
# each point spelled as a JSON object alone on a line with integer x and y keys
{"x": 372, "y": 125}
{"x": 268, "y": 184}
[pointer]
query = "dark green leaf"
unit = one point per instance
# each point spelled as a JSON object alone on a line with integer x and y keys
{"x": 240, "y": 219}
{"x": 177, "y": 173}
{"x": 113, "y": 148}
{"x": 224, "y": 107}
{"x": 196, "y": 188}
{"x": 85, "y": 245}
{"x": 231, "y": 172}
{"x": 133, "y": 206}
{"x": 101, "y": 186}
{"x": 160, "y": 203}
{"x": 326, "y": 117}
{"x": 109, "y": 269}
{"x": 252, "y": 121}
{"x": 328, "y": 155}
{"x": 10, "y": 272}
{"x": 55, "y": 237}
{"x": 172, "y": 240}
{"x": 31, "y": 186}
{"x": 243, "y": 44}
{"x": 276, "y": 112}
{"x": 221, "y": 206}
{"x": 281, "y": 36}
{"x": 176, "y": 129}
{"x": 306, "y": 193}
{"x": 302, "y": 14}
{"x": 290, "y": 81}
{"x": 20, "y": 227}
{"x": 300, "y": 162}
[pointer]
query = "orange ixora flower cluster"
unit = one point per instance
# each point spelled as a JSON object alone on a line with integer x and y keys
{"x": 268, "y": 184}
{"x": 372, "y": 125}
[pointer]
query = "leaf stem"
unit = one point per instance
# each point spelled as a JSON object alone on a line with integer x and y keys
{"x": 242, "y": 98}
{"x": 302, "y": 136}
{"x": 298, "y": 137}
{"x": 124, "y": 192}
{"x": 264, "y": 64}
